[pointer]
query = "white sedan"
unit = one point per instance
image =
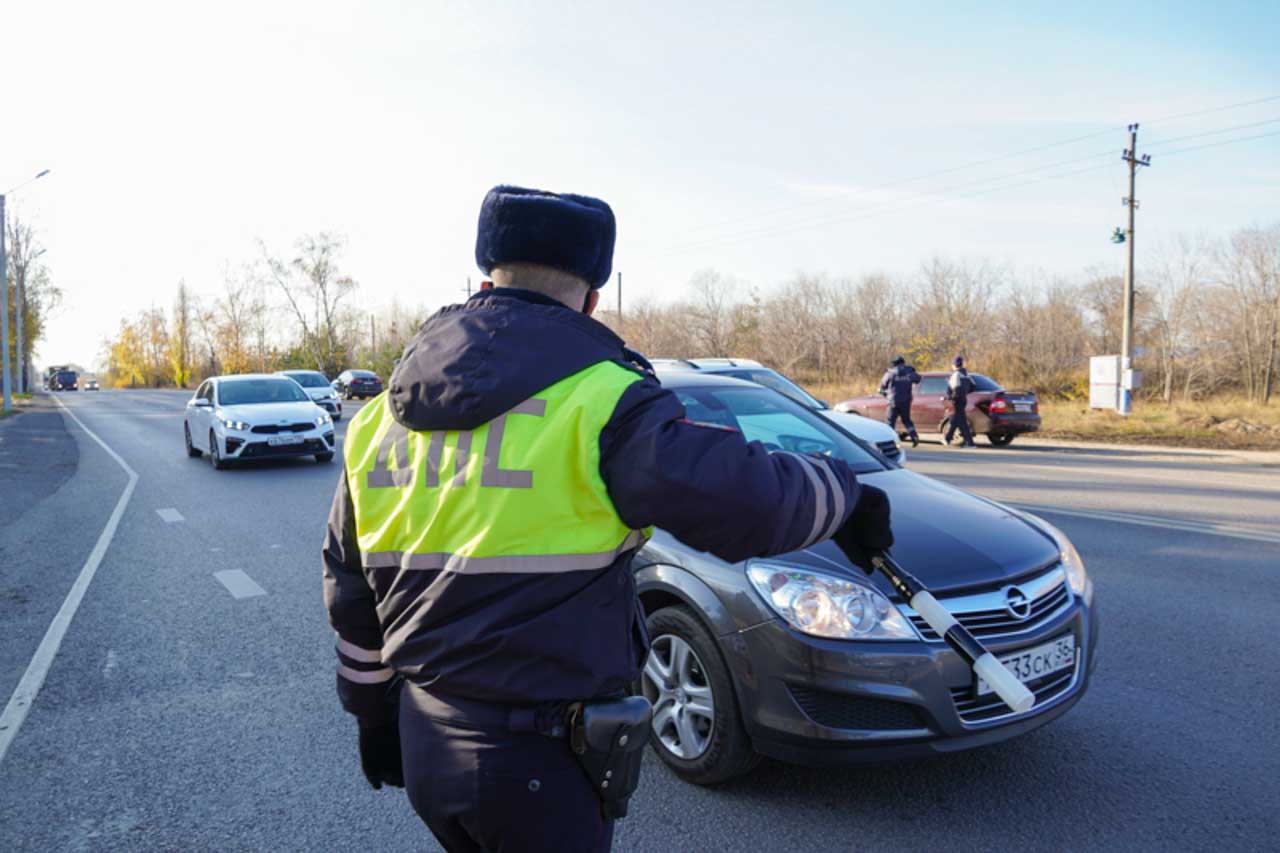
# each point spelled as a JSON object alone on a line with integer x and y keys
{"x": 255, "y": 416}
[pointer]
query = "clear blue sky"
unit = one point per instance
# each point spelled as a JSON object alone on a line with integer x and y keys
{"x": 757, "y": 139}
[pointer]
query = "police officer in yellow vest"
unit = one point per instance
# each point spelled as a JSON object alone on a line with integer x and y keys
{"x": 476, "y": 568}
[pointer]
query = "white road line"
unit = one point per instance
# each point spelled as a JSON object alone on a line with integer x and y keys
{"x": 1209, "y": 528}
{"x": 170, "y": 514}
{"x": 239, "y": 584}
{"x": 24, "y": 695}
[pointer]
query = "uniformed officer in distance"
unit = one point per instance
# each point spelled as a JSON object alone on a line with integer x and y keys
{"x": 480, "y": 539}
{"x": 896, "y": 384}
{"x": 958, "y": 388}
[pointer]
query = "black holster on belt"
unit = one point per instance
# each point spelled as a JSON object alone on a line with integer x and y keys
{"x": 608, "y": 738}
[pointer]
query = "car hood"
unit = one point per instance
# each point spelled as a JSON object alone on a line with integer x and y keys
{"x": 318, "y": 393}
{"x": 864, "y": 428}
{"x": 948, "y": 538}
{"x": 271, "y": 413}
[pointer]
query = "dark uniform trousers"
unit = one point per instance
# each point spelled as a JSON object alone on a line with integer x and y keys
{"x": 900, "y": 410}
{"x": 480, "y": 786}
{"x": 959, "y": 420}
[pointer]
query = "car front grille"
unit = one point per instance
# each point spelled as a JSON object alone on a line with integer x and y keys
{"x": 985, "y": 614}
{"x": 841, "y": 711}
{"x": 889, "y": 448}
{"x": 260, "y": 449}
{"x": 979, "y": 709}
{"x": 273, "y": 429}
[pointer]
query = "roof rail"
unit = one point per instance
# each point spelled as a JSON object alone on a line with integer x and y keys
{"x": 670, "y": 361}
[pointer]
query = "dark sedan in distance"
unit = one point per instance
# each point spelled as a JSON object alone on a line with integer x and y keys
{"x": 357, "y": 383}
{"x": 993, "y": 411}
{"x": 805, "y": 658}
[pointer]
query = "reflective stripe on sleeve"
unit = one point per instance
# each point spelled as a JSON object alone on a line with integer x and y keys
{"x": 376, "y": 676}
{"x": 837, "y": 495}
{"x": 357, "y": 653}
{"x": 505, "y": 564}
{"x": 821, "y": 515}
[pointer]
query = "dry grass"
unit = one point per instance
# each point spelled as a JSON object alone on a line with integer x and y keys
{"x": 1219, "y": 422}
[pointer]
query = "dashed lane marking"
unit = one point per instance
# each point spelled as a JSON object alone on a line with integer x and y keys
{"x": 239, "y": 584}
{"x": 170, "y": 514}
{"x": 24, "y": 695}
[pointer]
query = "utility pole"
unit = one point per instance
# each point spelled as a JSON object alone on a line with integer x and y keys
{"x": 619, "y": 299}
{"x": 373, "y": 338}
{"x": 468, "y": 287}
{"x": 1131, "y": 157}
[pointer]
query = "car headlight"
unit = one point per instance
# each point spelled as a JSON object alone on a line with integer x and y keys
{"x": 232, "y": 423}
{"x": 826, "y": 606}
{"x": 1077, "y": 577}
{"x": 322, "y": 419}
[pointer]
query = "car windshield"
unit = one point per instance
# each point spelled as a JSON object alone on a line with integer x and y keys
{"x": 984, "y": 383}
{"x": 66, "y": 376}
{"x": 308, "y": 378}
{"x": 777, "y": 422}
{"x": 240, "y": 392}
{"x": 779, "y": 383}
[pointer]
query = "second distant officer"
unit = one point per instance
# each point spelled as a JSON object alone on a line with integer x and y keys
{"x": 897, "y": 384}
{"x": 958, "y": 388}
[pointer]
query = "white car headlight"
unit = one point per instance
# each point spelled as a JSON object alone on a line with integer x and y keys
{"x": 322, "y": 419}
{"x": 822, "y": 605}
{"x": 1077, "y": 577}
{"x": 232, "y": 423}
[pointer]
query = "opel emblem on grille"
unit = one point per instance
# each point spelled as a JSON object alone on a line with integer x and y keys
{"x": 1017, "y": 603}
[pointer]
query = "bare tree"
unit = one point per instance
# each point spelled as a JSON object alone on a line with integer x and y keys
{"x": 711, "y": 312}
{"x": 180, "y": 348}
{"x": 314, "y": 288}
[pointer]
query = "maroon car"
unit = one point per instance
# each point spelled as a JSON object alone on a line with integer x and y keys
{"x": 995, "y": 412}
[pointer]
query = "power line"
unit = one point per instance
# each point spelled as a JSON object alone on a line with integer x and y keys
{"x": 897, "y": 182}
{"x": 1216, "y": 132}
{"x": 831, "y": 218}
{"x": 1223, "y": 142}
{"x": 1214, "y": 109}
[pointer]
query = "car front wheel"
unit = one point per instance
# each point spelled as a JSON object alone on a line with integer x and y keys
{"x": 1000, "y": 439}
{"x": 697, "y": 729}
{"x": 215, "y": 456}
{"x": 191, "y": 448}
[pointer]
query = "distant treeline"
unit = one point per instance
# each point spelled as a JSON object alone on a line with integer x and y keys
{"x": 1207, "y": 318}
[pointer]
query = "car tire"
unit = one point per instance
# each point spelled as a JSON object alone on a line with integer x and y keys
{"x": 324, "y": 457}
{"x": 727, "y": 752}
{"x": 999, "y": 439}
{"x": 215, "y": 457}
{"x": 191, "y": 449}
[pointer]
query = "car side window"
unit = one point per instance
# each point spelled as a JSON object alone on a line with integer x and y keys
{"x": 203, "y": 392}
{"x": 933, "y": 385}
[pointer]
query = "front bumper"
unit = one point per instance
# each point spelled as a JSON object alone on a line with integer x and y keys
{"x": 807, "y": 700}
{"x": 246, "y": 445}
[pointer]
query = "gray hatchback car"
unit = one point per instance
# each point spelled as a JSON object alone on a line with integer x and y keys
{"x": 805, "y": 658}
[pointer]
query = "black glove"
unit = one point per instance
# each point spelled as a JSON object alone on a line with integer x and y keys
{"x": 380, "y": 755}
{"x": 867, "y": 530}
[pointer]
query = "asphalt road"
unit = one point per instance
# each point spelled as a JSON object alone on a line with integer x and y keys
{"x": 176, "y": 716}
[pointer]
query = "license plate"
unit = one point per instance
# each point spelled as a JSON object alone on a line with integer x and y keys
{"x": 1037, "y": 661}
{"x": 1022, "y": 407}
{"x": 277, "y": 440}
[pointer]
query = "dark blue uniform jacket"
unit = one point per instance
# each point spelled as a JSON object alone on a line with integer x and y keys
{"x": 533, "y": 638}
{"x": 897, "y": 381}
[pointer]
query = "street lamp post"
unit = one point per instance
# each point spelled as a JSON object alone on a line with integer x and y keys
{"x": 4, "y": 307}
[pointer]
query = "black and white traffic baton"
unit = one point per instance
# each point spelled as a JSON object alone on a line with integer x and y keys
{"x": 1014, "y": 693}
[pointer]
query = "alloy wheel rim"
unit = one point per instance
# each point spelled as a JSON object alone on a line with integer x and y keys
{"x": 675, "y": 682}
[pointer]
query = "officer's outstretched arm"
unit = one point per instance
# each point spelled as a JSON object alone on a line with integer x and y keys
{"x": 362, "y": 676}
{"x": 710, "y": 487}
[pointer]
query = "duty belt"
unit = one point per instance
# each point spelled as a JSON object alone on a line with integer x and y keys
{"x": 548, "y": 719}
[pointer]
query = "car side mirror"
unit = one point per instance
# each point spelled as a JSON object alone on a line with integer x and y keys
{"x": 203, "y": 403}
